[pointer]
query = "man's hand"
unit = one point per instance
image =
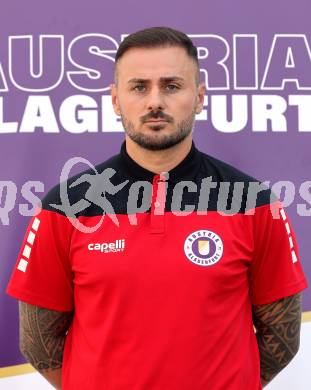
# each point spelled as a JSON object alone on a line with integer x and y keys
{"x": 42, "y": 339}
{"x": 278, "y": 334}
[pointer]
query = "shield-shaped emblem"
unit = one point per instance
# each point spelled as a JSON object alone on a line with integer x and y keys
{"x": 203, "y": 246}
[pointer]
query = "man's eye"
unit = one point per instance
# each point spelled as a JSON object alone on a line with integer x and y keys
{"x": 172, "y": 87}
{"x": 139, "y": 88}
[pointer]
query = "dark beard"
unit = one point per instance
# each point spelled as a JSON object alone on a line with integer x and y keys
{"x": 184, "y": 128}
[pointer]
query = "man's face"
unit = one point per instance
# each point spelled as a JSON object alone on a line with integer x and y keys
{"x": 157, "y": 95}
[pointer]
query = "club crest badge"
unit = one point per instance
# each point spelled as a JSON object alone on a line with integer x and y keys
{"x": 203, "y": 247}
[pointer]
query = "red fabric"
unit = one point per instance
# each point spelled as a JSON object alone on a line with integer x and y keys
{"x": 146, "y": 317}
{"x": 47, "y": 281}
{"x": 273, "y": 273}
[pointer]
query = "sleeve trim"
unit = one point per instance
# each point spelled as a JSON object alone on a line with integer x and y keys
{"x": 280, "y": 293}
{"x": 38, "y": 300}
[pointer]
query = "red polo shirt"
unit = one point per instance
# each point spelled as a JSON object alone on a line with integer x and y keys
{"x": 162, "y": 288}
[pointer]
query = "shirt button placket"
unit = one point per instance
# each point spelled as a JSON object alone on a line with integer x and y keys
{"x": 157, "y": 214}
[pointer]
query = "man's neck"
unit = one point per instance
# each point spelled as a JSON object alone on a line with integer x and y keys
{"x": 159, "y": 160}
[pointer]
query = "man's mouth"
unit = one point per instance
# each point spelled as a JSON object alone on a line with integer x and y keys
{"x": 156, "y": 121}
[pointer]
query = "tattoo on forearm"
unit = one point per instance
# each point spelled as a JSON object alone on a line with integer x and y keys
{"x": 42, "y": 336}
{"x": 278, "y": 331}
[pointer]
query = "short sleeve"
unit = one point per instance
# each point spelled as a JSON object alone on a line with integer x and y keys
{"x": 275, "y": 271}
{"x": 42, "y": 275}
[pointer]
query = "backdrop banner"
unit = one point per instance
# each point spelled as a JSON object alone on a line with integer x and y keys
{"x": 56, "y": 65}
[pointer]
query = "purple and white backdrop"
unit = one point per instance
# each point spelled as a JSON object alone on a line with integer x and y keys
{"x": 56, "y": 63}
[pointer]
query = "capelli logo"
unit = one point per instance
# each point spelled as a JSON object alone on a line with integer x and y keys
{"x": 107, "y": 247}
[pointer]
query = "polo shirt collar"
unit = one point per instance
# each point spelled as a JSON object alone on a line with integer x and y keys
{"x": 186, "y": 170}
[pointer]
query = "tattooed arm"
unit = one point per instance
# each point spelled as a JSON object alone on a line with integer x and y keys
{"x": 278, "y": 332}
{"x": 42, "y": 339}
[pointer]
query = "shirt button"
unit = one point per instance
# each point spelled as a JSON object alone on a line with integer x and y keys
{"x": 157, "y": 204}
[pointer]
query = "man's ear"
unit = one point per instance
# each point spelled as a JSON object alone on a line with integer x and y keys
{"x": 114, "y": 99}
{"x": 200, "y": 98}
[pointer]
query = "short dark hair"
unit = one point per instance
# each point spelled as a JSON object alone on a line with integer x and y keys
{"x": 157, "y": 37}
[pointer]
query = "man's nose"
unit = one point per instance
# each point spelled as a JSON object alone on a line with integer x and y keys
{"x": 155, "y": 100}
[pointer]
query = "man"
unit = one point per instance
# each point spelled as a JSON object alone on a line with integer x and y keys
{"x": 167, "y": 296}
